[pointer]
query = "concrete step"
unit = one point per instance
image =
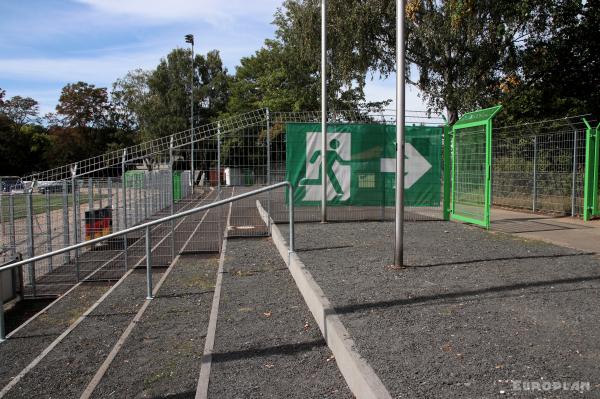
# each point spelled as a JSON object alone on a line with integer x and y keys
{"x": 267, "y": 343}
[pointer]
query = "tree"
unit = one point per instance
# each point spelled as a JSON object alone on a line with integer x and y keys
{"x": 560, "y": 66}
{"x": 84, "y": 105}
{"x": 273, "y": 78}
{"x": 462, "y": 49}
{"x": 20, "y": 110}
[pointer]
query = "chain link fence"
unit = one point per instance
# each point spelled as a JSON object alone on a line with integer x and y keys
{"x": 540, "y": 167}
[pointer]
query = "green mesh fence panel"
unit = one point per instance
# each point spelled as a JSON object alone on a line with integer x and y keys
{"x": 469, "y": 174}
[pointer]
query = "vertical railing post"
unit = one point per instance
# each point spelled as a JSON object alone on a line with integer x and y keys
{"x": 145, "y": 195}
{"x": 75, "y": 195}
{"x": 574, "y": 183}
{"x": 109, "y": 201}
{"x": 136, "y": 199}
{"x": 291, "y": 218}
{"x": 116, "y": 211}
{"x": 92, "y": 219}
{"x": 148, "y": 264}
{"x": 124, "y": 195}
{"x": 11, "y": 220}
{"x": 49, "y": 228}
{"x": 269, "y": 171}
{"x": 219, "y": 224}
{"x": 535, "y": 160}
{"x": 172, "y": 199}
{"x": 65, "y": 220}
{"x": 30, "y": 239}
{"x": 2, "y": 327}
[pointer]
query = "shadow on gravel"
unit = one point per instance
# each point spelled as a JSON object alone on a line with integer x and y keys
{"x": 182, "y": 395}
{"x": 463, "y": 294}
{"x": 287, "y": 349}
{"x": 466, "y": 262}
{"x": 183, "y": 295}
{"x": 324, "y": 248}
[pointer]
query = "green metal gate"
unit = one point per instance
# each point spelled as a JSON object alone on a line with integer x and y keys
{"x": 591, "y": 195}
{"x": 471, "y": 167}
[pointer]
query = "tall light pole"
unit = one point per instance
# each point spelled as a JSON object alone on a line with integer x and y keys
{"x": 400, "y": 118}
{"x": 189, "y": 38}
{"x": 323, "y": 111}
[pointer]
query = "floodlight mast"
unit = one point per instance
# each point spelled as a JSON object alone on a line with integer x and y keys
{"x": 323, "y": 111}
{"x": 189, "y": 38}
{"x": 400, "y": 119}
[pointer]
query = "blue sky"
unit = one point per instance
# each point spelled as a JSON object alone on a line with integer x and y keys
{"x": 45, "y": 44}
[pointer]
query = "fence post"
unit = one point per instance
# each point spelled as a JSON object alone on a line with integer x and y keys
{"x": 592, "y": 166}
{"x": 30, "y": 239}
{"x": 574, "y": 183}
{"x": 92, "y": 221}
{"x": 145, "y": 195}
{"x": 65, "y": 220}
{"x": 75, "y": 195}
{"x": 535, "y": 153}
{"x": 11, "y": 220}
{"x": 109, "y": 204}
{"x": 49, "y": 228}
{"x": 447, "y": 132}
{"x": 269, "y": 171}
{"x": 2, "y": 327}
{"x": 219, "y": 225}
{"x": 148, "y": 264}
{"x": 172, "y": 199}
{"x": 124, "y": 195}
{"x": 116, "y": 210}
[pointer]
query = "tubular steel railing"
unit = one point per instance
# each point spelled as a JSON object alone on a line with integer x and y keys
{"x": 146, "y": 227}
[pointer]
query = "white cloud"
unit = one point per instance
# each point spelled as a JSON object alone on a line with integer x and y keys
{"x": 384, "y": 89}
{"x": 211, "y": 11}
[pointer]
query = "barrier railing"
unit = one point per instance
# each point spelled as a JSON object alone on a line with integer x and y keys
{"x": 146, "y": 227}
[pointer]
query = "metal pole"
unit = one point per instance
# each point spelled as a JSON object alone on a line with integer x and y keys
{"x": 11, "y": 218}
{"x": 75, "y": 195}
{"x": 136, "y": 199}
{"x": 2, "y": 327}
{"x": 219, "y": 225}
{"x": 269, "y": 171}
{"x": 323, "y": 111}
{"x": 535, "y": 148}
{"x": 574, "y": 184}
{"x": 124, "y": 189}
{"x": 116, "y": 211}
{"x": 48, "y": 228}
{"x": 171, "y": 199}
{"x": 192, "y": 120}
{"x": 291, "y": 217}
{"x": 30, "y": 240}
{"x": 66, "y": 235}
{"x": 148, "y": 264}
{"x": 145, "y": 194}
{"x": 92, "y": 221}
{"x": 110, "y": 193}
{"x": 400, "y": 100}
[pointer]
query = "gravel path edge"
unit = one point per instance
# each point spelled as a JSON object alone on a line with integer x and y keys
{"x": 360, "y": 377}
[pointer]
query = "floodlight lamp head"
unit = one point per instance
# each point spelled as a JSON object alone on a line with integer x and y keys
{"x": 189, "y": 38}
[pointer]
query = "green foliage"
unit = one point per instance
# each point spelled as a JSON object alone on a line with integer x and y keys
{"x": 560, "y": 72}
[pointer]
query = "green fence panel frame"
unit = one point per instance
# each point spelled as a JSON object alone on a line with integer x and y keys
{"x": 468, "y": 126}
{"x": 447, "y": 204}
{"x": 591, "y": 206}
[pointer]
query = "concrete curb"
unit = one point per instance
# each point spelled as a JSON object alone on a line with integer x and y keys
{"x": 359, "y": 375}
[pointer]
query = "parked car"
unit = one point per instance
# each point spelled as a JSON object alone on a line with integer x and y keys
{"x": 10, "y": 183}
{"x": 53, "y": 187}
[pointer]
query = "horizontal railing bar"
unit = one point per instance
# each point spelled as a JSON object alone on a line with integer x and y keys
{"x": 148, "y": 224}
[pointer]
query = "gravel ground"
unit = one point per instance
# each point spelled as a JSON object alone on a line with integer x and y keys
{"x": 66, "y": 370}
{"x": 162, "y": 356}
{"x": 19, "y": 350}
{"x": 475, "y": 312}
{"x": 267, "y": 343}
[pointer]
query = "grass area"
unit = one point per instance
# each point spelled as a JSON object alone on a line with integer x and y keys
{"x": 39, "y": 204}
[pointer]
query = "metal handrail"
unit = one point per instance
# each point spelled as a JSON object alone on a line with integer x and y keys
{"x": 163, "y": 220}
{"x": 146, "y": 226}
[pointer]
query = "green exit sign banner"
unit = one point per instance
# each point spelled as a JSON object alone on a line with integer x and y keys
{"x": 361, "y": 164}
